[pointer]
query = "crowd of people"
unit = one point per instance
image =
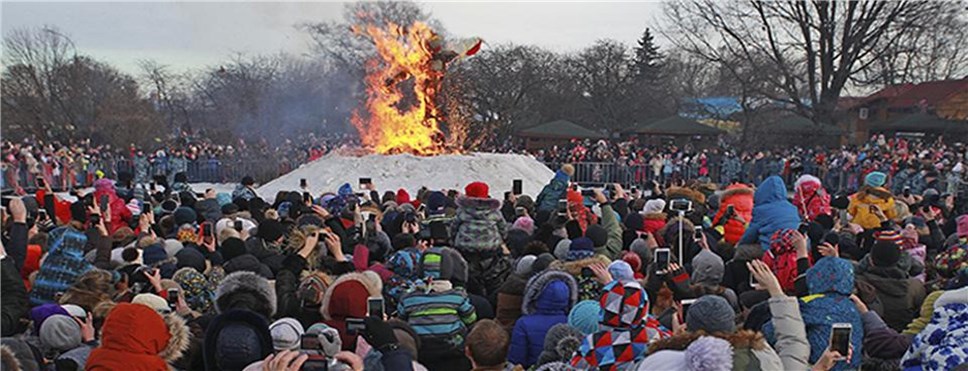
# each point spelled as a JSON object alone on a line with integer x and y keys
{"x": 77, "y": 164}
{"x": 693, "y": 275}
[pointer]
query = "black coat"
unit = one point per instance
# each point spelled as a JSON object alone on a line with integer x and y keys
{"x": 13, "y": 298}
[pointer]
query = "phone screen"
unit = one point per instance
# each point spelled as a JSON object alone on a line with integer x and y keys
{"x": 516, "y": 187}
{"x": 238, "y": 225}
{"x": 375, "y": 307}
{"x": 365, "y": 181}
{"x": 753, "y": 282}
{"x": 302, "y": 183}
{"x": 685, "y": 305}
{"x": 840, "y": 338}
{"x": 172, "y": 297}
{"x": 562, "y": 207}
{"x": 309, "y": 342}
{"x": 355, "y": 326}
{"x": 661, "y": 259}
{"x": 698, "y": 234}
{"x": 103, "y": 203}
{"x": 49, "y": 204}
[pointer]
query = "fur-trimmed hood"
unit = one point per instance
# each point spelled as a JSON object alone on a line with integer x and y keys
{"x": 866, "y": 193}
{"x": 693, "y": 195}
{"x": 742, "y": 339}
{"x": 158, "y": 340}
{"x": 351, "y": 291}
{"x": 246, "y": 290}
{"x": 540, "y": 296}
{"x": 735, "y": 190}
{"x": 482, "y": 205}
{"x": 655, "y": 216}
{"x": 574, "y": 267}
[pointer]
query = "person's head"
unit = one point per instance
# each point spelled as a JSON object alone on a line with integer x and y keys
{"x": 487, "y": 344}
{"x": 712, "y": 314}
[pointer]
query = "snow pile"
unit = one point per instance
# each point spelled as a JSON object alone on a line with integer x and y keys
{"x": 412, "y": 172}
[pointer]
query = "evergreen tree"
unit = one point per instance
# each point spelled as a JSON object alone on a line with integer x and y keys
{"x": 647, "y": 65}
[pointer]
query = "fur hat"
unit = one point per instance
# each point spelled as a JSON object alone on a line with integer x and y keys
{"x": 286, "y": 334}
{"x": 347, "y": 296}
{"x": 477, "y": 190}
{"x": 560, "y": 343}
{"x": 246, "y": 290}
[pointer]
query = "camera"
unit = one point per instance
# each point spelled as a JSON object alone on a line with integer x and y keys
{"x": 680, "y": 205}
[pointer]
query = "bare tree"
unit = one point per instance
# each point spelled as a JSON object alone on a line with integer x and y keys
{"x": 604, "y": 74}
{"x": 811, "y": 50}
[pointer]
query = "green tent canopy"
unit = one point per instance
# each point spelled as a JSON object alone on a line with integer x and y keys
{"x": 559, "y": 129}
{"x": 923, "y": 123}
{"x": 676, "y": 125}
{"x": 798, "y": 125}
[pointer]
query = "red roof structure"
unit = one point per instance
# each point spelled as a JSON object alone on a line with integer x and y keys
{"x": 928, "y": 94}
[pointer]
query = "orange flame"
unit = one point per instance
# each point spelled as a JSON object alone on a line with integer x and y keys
{"x": 391, "y": 123}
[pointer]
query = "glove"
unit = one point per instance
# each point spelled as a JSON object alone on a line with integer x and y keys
{"x": 379, "y": 334}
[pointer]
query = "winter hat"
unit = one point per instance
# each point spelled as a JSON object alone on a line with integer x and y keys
{"x": 875, "y": 179}
{"x": 962, "y": 223}
{"x": 516, "y": 241}
{"x": 404, "y": 263}
{"x": 198, "y": 291}
{"x": 782, "y": 241}
{"x": 622, "y": 271}
{"x": 246, "y": 290}
{"x": 709, "y": 353}
{"x": 190, "y": 257}
{"x": 634, "y": 222}
{"x": 402, "y": 197}
{"x": 526, "y": 202}
{"x": 60, "y": 333}
{"x": 560, "y": 343}
{"x": 286, "y": 334}
{"x": 830, "y": 274}
{"x": 542, "y": 262}
{"x": 347, "y": 296}
{"x": 406, "y": 336}
{"x": 271, "y": 230}
{"x": 152, "y": 301}
{"x": 79, "y": 211}
{"x": 75, "y": 310}
{"x": 598, "y": 235}
{"x": 232, "y": 247}
{"x": 40, "y": 314}
{"x": 580, "y": 248}
{"x": 229, "y": 209}
{"x": 523, "y": 266}
{"x": 707, "y": 268}
{"x": 153, "y": 254}
{"x": 840, "y": 202}
{"x": 185, "y": 215}
{"x": 562, "y": 248}
{"x": 477, "y": 190}
{"x": 711, "y": 313}
{"x": 134, "y": 206}
{"x": 436, "y": 203}
{"x": 885, "y": 253}
{"x": 247, "y": 180}
{"x": 640, "y": 248}
{"x": 235, "y": 339}
{"x": 329, "y": 340}
{"x": 634, "y": 261}
{"x": 524, "y": 223}
{"x": 624, "y": 304}
{"x": 584, "y": 316}
{"x": 654, "y": 206}
{"x": 889, "y": 235}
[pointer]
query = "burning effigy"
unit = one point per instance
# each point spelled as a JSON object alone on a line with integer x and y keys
{"x": 403, "y": 80}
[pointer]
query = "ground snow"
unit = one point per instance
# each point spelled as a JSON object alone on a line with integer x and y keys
{"x": 412, "y": 172}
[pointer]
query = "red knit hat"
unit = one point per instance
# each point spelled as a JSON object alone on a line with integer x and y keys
{"x": 574, "y": 197}
{"x": 402, "y": 197}
{"x": 477, "y": 190}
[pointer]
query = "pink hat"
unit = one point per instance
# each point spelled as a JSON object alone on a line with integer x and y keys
{"x": 524, "y": 223}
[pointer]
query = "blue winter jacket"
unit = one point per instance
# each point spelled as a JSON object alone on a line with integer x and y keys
{"x": 552, "y": 192}
{"x": 830, "y": 282}
{"x": 771, "y": 212}
{"x": 547, "y": 299}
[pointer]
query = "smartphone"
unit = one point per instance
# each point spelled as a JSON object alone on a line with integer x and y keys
{"x": 103, "y": 203}
{"x": 516, "y": 186}
{"x": 207, "y": 230}
{"x": 907, "y": 192}
{"x": 872, "y": 208}
{"x": 697, "y": 234}
{"x": 519, "y": 211}
{"x": 95, "y": 219}
{"x": 680, "y": 205}
{"x": 302, "y": 183}
{"x": 730, "y": 209}
{"x": 172, "y": 298}
{"x": 562, "y": 207}
{"x": 238, "y": 225}
{"x": 685, "y": 306}
{"x": 375, "y": 307}
{"x": 588, "y": 192}
{"x": 753, "y": 282}
{"x": 840, "y": 338}
{"x": 365, "y": 181}
{"x": 422, "y": 209}
{"x": 49, "y": 204}
{"x": 307, "y": 197}
{"x": 662, "y": 259}
{"x": 587, "y": 272}
{"x": 355, "y": 326}
{"x": 153, "y": 187}
{"x": 145, "y": 207}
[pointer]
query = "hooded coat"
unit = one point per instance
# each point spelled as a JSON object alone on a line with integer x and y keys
{"x": 157, "y": 341}
{"x": 830, "y": 282}
{"x": 347, "y": 298}
{"x": 810, "y": 198}
{"x": 552, "y": 192}
{"x": 548, "y": 298}
{"x": 771, "y": 212}
{"x": 120, "y": 215}
{"x": 900, "y": 295}
{"x": 740, "y": 197}
{"x": 860, "y": 203}
{"x": 479, "y": 225}
{"x": 941, "y": 345}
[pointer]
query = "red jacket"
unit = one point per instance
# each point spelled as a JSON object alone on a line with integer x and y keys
{"x": 120, "y": 214}
{"x": 123, "y": 348}
{"x": 741, "y": 197}
{"x": 62, "y": 208}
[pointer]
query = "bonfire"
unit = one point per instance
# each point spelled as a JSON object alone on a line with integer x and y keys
{"x": 403, "y": 80}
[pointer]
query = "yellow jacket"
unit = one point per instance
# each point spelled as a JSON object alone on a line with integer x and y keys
{"x": 866, "y": 197}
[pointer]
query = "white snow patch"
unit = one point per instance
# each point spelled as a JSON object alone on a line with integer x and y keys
{"x": 409, "y": 172}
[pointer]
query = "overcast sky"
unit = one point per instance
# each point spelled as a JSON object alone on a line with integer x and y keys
{"x": 194, "y": 35}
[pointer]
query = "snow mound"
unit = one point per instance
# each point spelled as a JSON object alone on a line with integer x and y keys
{"x": 409, "y": 172}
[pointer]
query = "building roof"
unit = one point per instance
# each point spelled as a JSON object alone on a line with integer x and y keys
{"x": 887, "y": 92}
{"x": 928, "y": 93}
{"x": 923, "y": 123}
{"x": 676, "y": 125}
{"x": 559, "y": 129}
